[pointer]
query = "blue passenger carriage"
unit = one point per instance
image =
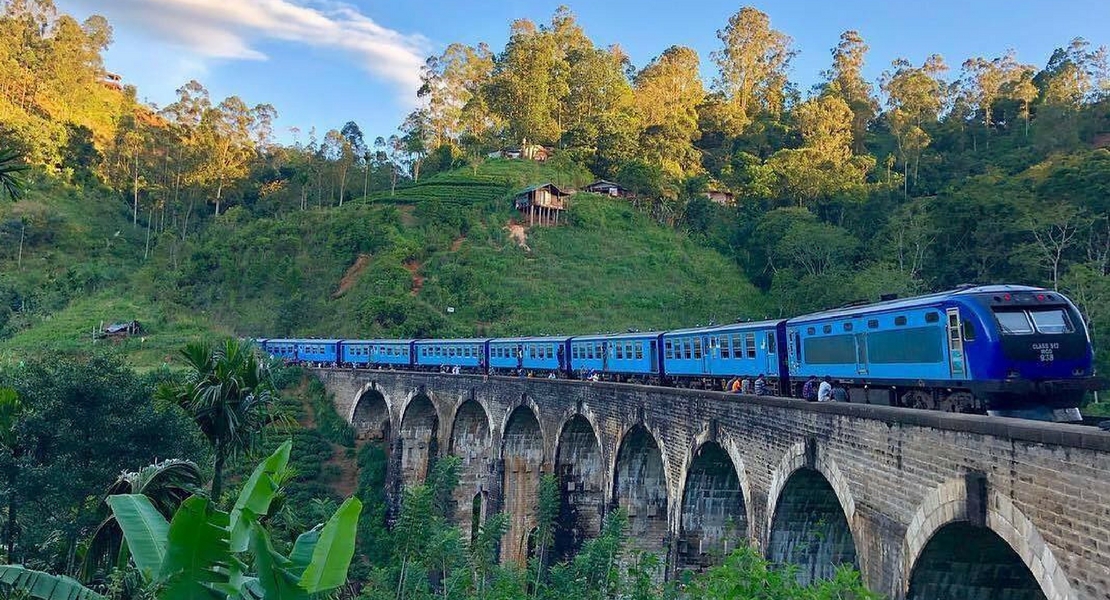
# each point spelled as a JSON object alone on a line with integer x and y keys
{"x": 536, "y": 354}
{"x": 314, "y": 351}
{"x": 467, "y": 354}
{"x": 710, "y": 356}
{"x": 619, "y": 356}
{"x": 376, "y": 353}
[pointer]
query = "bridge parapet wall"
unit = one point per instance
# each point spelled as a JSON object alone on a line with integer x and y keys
{"x": 898, "y": 476}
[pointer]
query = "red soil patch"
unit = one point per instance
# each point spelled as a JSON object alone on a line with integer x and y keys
{"x": 351, "y": 276}
{"x": 519, "y": 233}
{"x": 457, "y": 243}
{"x": 413, "y": 267}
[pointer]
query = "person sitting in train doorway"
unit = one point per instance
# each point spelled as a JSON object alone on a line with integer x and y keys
{"x": 824, "y": 392}
{"x": 760, "y": 386}
{"x": 745, "y": 386}
{"x": 735, "y": 386}
{"x": 809, "y": 390}
{"x": 729, "y": 384}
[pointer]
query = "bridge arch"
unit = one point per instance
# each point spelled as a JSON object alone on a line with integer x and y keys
{"x": 640, "y": 487}
{"x": 714, "y": 514}
{"x": 371, "y": 414}
{"x": 522, "y": 458}
{"x": 943, "y": 548}
{"x": 580, "y": 468}
{"x": 418, "y": 441}
{"x": 810, "y": 514}
{"x": 471, "y": 441}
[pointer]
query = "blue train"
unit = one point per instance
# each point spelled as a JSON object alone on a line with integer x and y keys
{"x": 1003, "y": 350}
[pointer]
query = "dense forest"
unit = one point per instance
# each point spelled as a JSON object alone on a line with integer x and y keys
{"x": 193, "y": 219}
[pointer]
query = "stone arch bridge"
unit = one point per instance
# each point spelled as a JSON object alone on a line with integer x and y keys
{"x": 926, "y": 505}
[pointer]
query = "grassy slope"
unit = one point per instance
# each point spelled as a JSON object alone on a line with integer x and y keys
{"x": 441, "y": 243}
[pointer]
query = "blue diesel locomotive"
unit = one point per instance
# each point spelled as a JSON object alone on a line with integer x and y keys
{"x": 1003, "y": 350}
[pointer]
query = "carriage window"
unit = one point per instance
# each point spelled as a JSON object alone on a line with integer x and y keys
{"x": 836, "y": 349}
{"x": 737, "y": 347}
{"x": 669, "y": 349}
{"x": 697, "y": 348}
{"x": 919, "y": 345}
{"x": 1014, "y": 322}
{"x": 749, "y": 343}
{"x": 826, "y": 329}
{"x": 628, "y": 350}
{"x": 620, "y": 350}
{"x": 932, "y": 317}
{"x": 772, "y": 345}
{"x": 847, "y": 327}
{"x": 639, "y": 350}
{"x": 873, "y": 324}
{"x": 899, "y": 321}
{"x": 969, "y": 331}
{"x": 810, "y": 331}
{"x": 1052, "y": 320}
{"x": 686, "y": 349}
{"x": 531, "y": 352}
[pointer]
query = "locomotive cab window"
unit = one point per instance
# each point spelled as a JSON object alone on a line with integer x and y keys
{"x": 1051, "y": 320}
{"x": 900, "y": 321}
{"x": 1014, "y": 322}
{"x": 932, "y": 317}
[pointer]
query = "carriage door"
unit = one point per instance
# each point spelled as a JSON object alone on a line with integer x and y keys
{"x": 792, "y": 348}
{"x": 708, "y": 345}
{"x": 654, "y": 356}
{"x": 861, "y": 353}
{"x": 956, "y": 362}
{"x": 772, "y": 349}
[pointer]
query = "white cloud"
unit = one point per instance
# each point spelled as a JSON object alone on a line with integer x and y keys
{"x": 227, "y": 28}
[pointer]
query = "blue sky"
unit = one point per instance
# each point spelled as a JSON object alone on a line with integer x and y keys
{"x": 323, "y": 62}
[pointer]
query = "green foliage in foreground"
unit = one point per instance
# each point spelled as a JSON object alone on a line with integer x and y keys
{"x": 203, "y": 552}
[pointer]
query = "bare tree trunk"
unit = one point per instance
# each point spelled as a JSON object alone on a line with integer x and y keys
{"x": 185, "y": 227}
{"x": 146, "y": 251}
{"x": 366, "y": 180}
{"x": 22, "y": 233}
{"x": 219, "y": 192}
{"x": 135, "y": 194}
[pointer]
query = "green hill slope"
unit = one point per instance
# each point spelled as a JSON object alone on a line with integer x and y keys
{"x": 447, "y": 257}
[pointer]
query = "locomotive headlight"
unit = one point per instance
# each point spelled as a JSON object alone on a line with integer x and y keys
{"x": 1078, "y": 372}
{"x": 1013, "y": 374}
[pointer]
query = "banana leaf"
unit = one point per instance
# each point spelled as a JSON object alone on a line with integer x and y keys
{"x": 332, "y": 555}
{"x": 45, "y": 586}
{"x": 199, "y": 563}
{"x": 145, "y": 531}
{"x": 257, "y": 494}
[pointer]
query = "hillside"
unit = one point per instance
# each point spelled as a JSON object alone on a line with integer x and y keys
{"x": 387, "y": 265}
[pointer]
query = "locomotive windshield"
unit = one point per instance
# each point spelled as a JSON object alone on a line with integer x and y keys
{"x": 1053, "y": 320}
{"x": 1041, "y": 320}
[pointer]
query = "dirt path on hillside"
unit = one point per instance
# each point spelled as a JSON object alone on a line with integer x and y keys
{"x": 519, "y": 233}
{"x": 413, "y": 267}
{"x": 351, "y": 276}
{"x": 457, "y": 243}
